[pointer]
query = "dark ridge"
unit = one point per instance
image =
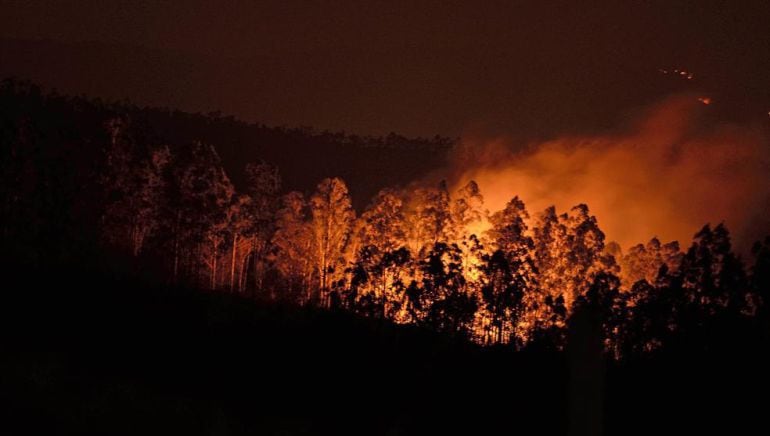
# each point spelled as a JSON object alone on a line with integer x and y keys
{"x": 303, "y": 155}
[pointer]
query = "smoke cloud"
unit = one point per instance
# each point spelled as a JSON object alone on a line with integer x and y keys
{"x": 667, "y": 175}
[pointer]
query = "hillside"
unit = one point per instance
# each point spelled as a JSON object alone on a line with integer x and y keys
{"x": 116, "y": 356}
{"x": 153, "y": 286}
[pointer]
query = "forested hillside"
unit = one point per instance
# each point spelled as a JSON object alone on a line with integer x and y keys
{"x": 151, "y": 193}
{"x": 192, "y": 271}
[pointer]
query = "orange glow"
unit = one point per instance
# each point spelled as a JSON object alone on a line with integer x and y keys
{"x": 666, "y": 178}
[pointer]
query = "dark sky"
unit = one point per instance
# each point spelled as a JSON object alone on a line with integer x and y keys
{"x": 414, "y": 67}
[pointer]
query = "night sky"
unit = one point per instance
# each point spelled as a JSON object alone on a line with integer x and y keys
{"x": 418, "y": 68}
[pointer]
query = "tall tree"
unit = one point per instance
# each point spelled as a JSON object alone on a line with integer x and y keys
{"x": 241, "y": 221}
{"x": 609, "y": 305}
{"x": 429, "y": 218}
{"x": 444, "y": 304}
{"x": 134, "y": 187}
{"x": 508, "y": 274}
{"x": 644, "y": 261}
{"x": 200, "y": 206}
{"x": 332, "y": 219}
{"x": 712, "y": 275}
{"x": 468, "y": 221}
{"x": 378, "y": 238}
{"x": 264, "y": 184}
{"x": 468, "y": 215}
{"x": 569, "y": 251}
{"x": 653, "y": 312}
{"x": 383, "y": 222}
{"x": 551, "y": 248}
{"x": 295, "y": 245}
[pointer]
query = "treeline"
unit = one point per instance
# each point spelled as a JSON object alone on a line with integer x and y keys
{"x": 368, "y": 162}
{"x": 428, "y": 256}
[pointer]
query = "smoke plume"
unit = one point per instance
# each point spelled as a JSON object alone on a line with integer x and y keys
{"x": 667, "y": 175}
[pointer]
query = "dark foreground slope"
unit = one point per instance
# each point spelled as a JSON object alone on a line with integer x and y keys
{"x": 111, "y": 356}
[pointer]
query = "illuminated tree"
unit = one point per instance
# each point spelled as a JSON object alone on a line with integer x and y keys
{"x": 333, "y": 216}
{"x": 294, "y": 241}
{"x": 467, "y": 213}
{"x": 467, "y": 223}
{"x": 551, "y": 248}
{"x": 379, "y": 235}
{"x": 240, "y": 224}
{"x": 586, "y": 249}
{"x": 508, "y": 274}
{"x": 644, "y": 262}
{"x": 569, "y": 252}
{"x": 509, "y": 229}
{"x": 383, "y": 222}
{"x": 429, "y": 218}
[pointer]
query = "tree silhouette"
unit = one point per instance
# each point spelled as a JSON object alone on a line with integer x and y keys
{"x": 134, "y": 188}
{"x": 713, "y": 277}
{"x": 264, "y": 184}
{"x": 508, "y": 274}
{"x": 445, "y": 304}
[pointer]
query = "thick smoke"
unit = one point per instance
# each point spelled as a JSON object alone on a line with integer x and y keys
{"x": 672, "y": 172}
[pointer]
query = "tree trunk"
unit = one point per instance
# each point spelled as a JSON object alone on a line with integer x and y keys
{"x": 325, "y": 250}
{"x": 243, "y": 274}
{"x": 232, "y": 262}
{"x": 176, "y": 258}
{"x": 176, "y": 247}
{"x": 213, "y": 265}
{"x": 257, "y": 251}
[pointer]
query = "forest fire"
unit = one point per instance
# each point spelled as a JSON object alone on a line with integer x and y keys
{"x": 505, "y": 252}
{"x": 668, "y": 175}
{"x": 386, "y": 218}
{"x": 499, "y": 267}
